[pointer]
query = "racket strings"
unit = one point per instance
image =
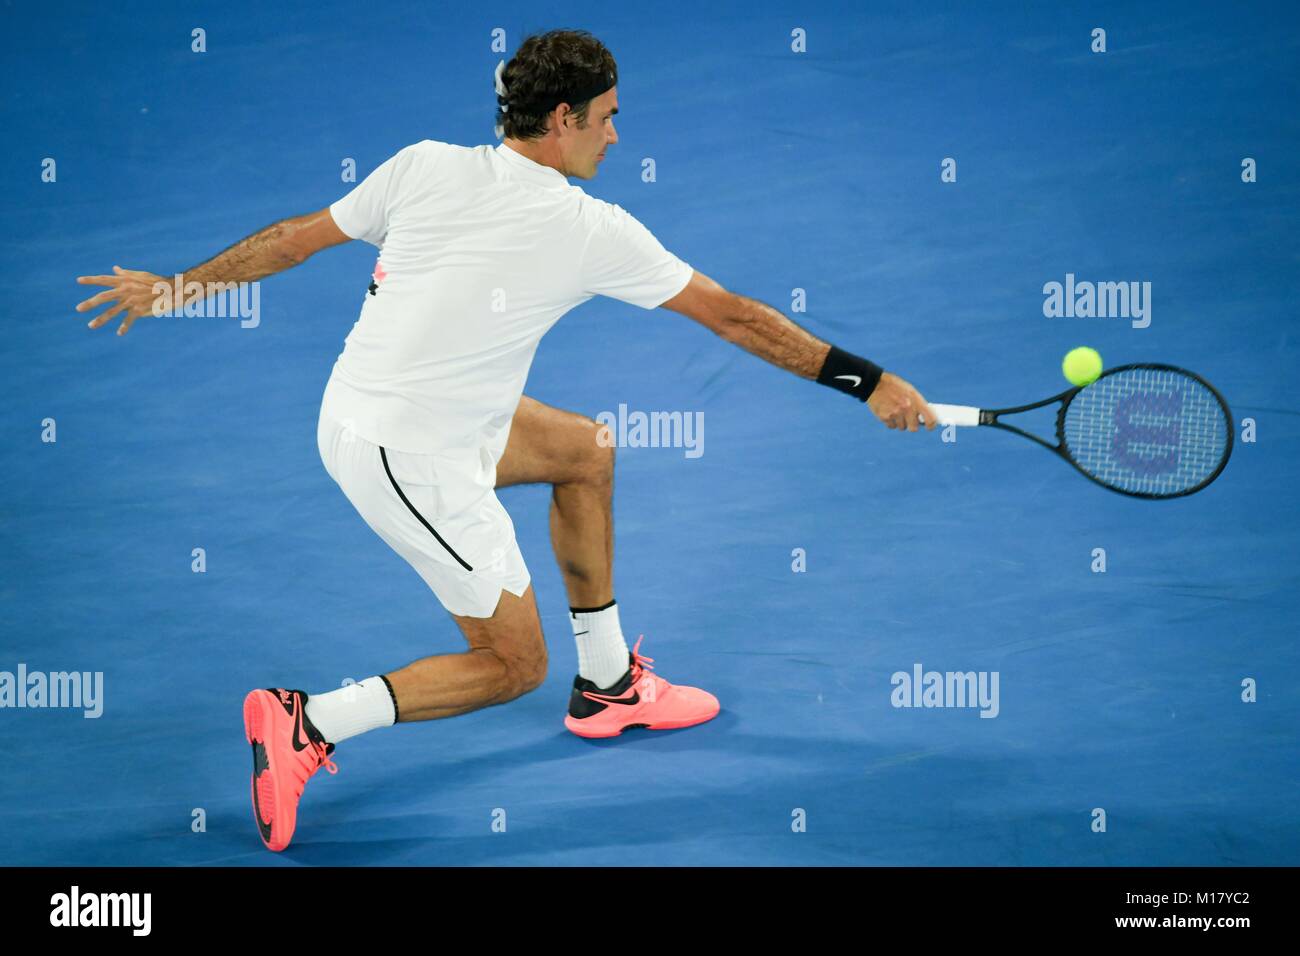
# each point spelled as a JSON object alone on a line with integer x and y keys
{"x": 1147, "y": 431}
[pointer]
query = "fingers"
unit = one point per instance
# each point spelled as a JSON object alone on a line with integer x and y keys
{"x": 97, "y": 300}
{"x": 126, "y": 293}
{"x": 913, "y": 413}
{"x": 894, "y": 418}
{"x": 900, "y": 407}
{"x": 126, "y": 324}
{"x": 99, "y": 320}
{"x": 910, "y": 416}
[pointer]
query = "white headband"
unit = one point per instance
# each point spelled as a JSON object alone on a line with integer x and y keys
{"x": 501, "y": 87}
{"x": 501, "y": 93}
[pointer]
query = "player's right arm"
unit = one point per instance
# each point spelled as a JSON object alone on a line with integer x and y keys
{"x": 279, "y": 246}
{"x": 624, "y": 260}
{"x": 765, "y": 332}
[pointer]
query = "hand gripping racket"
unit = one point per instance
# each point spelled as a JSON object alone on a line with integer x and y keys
{"x": 1150, "y": 431}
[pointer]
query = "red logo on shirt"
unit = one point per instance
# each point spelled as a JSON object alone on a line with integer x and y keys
{"x": 379, "y": 274}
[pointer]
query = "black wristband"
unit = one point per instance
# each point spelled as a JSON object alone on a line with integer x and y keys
{"x": 850, "y": 373}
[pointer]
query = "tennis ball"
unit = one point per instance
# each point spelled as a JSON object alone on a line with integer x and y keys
{"x": 1082, "y": 365}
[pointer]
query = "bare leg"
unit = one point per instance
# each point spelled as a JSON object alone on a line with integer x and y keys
{"x": 507, "y": 658}
{"x": 507, "y": 655}
{"x": 560, "y": 448}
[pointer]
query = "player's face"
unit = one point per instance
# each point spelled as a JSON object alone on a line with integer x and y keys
{"x": 586, "y": 150}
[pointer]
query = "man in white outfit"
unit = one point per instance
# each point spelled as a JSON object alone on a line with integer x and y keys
{"x": 481, "y": 251}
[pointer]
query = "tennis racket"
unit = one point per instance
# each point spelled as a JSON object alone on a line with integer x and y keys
{"x": 1150, "y": 431}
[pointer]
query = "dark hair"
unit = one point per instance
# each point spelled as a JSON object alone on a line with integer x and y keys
{"x": 545, "y": 69}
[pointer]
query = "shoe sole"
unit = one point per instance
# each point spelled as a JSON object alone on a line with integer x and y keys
{"x": 254, "y": 724}
{"x": 666, "y": 725}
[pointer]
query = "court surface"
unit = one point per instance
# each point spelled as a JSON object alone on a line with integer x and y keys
{"x": 775, "y": 171}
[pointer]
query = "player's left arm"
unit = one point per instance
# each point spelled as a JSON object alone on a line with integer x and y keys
{"x": 280, "y": 246}
{"x": 765, "y": 332}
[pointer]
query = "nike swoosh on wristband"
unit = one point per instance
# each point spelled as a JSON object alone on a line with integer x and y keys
{"x": 856, "y": 380}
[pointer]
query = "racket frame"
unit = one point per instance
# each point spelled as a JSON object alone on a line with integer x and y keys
{"x": 990, "y": 416}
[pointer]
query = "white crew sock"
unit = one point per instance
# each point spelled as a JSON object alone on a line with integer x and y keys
{"x": 352, "y": 710}
{"x": 602, "y": 652}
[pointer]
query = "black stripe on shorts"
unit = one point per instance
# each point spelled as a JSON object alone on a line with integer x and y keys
{"x": 406, "y": 501}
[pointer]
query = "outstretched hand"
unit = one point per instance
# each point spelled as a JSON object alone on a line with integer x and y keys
{"x": 130, "y": 292}
{"x": 896, "y": 403}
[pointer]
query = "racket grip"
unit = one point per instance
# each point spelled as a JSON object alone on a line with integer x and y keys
{"x": 955, "y": 414}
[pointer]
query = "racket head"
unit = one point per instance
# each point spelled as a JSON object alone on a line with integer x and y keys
{"x": 1147, "y": 430}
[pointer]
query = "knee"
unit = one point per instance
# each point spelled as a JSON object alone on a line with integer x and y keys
{"x": 526, "y": 671}
{"x": 598, "y": 463}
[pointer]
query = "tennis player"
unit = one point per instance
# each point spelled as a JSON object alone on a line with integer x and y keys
{"x": 482, "y": 250}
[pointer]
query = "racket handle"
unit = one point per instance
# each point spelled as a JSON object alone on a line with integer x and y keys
{"x": 955, "y": 414}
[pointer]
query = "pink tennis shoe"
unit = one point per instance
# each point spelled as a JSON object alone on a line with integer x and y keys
{"x": 287, "y": 751}
{"x": 640, "y": 699}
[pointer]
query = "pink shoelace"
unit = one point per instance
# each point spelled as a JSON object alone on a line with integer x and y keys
{"x": 323, "y": 752}
{"x": 640, "y": 665}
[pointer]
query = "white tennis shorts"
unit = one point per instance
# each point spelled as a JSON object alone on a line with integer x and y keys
{"x": 439, "y": 512}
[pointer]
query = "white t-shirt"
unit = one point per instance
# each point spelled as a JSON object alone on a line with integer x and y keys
{"x": 481, "y": 251}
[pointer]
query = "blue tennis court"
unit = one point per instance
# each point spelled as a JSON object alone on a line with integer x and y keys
{"x": 793, "y": 560}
